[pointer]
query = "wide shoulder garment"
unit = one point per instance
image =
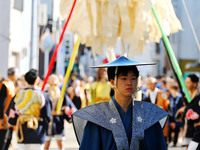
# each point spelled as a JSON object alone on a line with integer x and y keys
{"x": 106, "y": 115}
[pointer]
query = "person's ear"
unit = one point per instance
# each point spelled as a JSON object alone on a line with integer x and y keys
{"x": 112, "y": 82}
{"x": 36, "y": 81}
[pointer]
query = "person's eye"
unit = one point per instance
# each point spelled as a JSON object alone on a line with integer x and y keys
{"x": 123, "y": 78}
{"x": 134, "y": 78}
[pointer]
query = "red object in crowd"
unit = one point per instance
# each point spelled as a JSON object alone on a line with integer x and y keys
{"x": 192, "y": 115}
{"x": 105, "y": 61}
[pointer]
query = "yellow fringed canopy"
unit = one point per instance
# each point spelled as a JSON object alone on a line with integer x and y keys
{"x": 99, "y": 22}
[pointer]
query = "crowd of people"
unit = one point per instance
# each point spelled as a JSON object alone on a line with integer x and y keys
{"x": 34, "y": 117}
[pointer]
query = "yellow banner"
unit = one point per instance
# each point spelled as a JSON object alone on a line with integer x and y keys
{"x": 67, "y": 74}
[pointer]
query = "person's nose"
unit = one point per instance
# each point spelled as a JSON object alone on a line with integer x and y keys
{"x": 129, "y": 82}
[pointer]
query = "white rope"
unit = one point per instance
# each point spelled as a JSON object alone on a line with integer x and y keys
{"x": 115, "y": 81}
{"x": 191, "y": 25}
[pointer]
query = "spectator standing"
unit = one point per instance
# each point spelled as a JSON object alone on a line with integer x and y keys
{"x": 175, "y": 104}
{"x": 101, "y": 88}
{"x": 7, "y": 92}
{"x": 193, "y": 115}
{"x": 74, "y": 98}
{"x": 192, "y": 85}
{"x": 157, "y": 97}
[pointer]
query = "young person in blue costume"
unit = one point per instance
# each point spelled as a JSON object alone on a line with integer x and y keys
{"x": 121, "y": 123}
{"x": 176, "y": 103}
{"x": 56, "y": 124}
{"x": 30, "y": 111}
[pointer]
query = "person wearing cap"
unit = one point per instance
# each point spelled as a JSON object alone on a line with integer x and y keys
{"x": 7, "y": 92}
{"x": 121, "y": 123}
{"x": 30, "y": 111}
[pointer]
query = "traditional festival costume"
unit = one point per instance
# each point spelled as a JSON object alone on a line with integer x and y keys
{"x": 56, "y": 125}
{"x": 100, "y": 92}
{"x": 193, "y": 116}
{"x": 106, "y": 126}
{"x": 175, "y": 104}
{"x": 31, "y": 112}
{"x": 7, "y": 92}
{"x": 189, "y": 128}
{"x": 112, "y": 131}
{"x": 159, "y": 98}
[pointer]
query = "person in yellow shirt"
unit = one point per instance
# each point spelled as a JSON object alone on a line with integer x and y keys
{"x": 101, "y": 88}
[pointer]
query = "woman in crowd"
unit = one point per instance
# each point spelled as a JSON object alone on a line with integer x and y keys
{"x": 100, "y": 89}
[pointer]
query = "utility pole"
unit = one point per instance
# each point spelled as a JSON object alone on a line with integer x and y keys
{"x": 32, "y": 22}
{"x": 34, "y": 36}
{"x": 4, "y": 36}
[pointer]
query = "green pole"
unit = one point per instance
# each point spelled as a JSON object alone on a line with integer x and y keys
{"x": 172, "y": 57}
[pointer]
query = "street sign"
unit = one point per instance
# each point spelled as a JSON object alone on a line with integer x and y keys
{"x": 46, "y": 41}
{"x": 42, "y": 14}
{"x": 46, "y": 44}
{"x": 68, "y": 44}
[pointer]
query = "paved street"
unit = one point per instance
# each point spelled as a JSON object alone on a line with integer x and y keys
{"x": 177, "y": 148}
{"x": 70, "y": 142}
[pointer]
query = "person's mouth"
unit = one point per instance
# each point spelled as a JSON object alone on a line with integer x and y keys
{"x": 129, "y": 89}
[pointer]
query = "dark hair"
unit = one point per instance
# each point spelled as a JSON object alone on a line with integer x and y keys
{"x": 164, "y": 82}
{"x": 175, "y": 87}
{"x": 31, "y": 76}
{"x": 193, "y": 78}
{"x": 11, "y": 71}
{"x": 158, "y": 77}
{"x": 121, "y": 69}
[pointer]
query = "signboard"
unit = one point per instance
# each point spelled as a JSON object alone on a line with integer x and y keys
{"x": 42, "y": 14}
{"x": 46, "y": 42}
{"x": 68, "y": 43}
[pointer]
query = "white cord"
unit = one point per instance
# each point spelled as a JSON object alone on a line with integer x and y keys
{"x": 191, "y": 25}
{"x": 115, "y": 79}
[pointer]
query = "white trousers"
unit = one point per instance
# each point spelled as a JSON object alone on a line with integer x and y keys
{"x": 193, "y": 145}
{"x": 30, "y": 146}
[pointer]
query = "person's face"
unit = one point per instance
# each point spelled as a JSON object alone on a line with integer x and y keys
{"x": 103, "y": 73}
{"x": 189, "y": 84}
{"x": 173, "y": 92}
{"x": 14, "y": 77}
{"x": 127, "y": 83}
{"x": 151, "y": 85}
